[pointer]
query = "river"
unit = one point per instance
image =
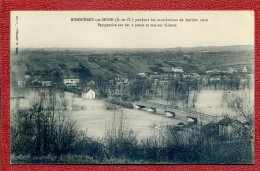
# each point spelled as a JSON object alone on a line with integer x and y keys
{"x": 95, "y": 119}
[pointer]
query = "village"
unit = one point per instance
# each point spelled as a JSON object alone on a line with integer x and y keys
{"x": 150, "y": 85}
{"x": 163, "y": 99}
{"x": 176, "y": 87}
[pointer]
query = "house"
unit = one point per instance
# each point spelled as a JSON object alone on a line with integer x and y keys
{"x": 244, "y": 69}
{"x": 71, "y": 82}
{"x": 153, "y": 91}
{"x": 156, "y": 77}
{"x": 231, "y": 128}
{"x": 142, "y": 74}
{"x": 215, "y": 78}
{"x": 21, "y": 83}
{"x": 232, "y": 70}
{"x": 205, "y": 79}
{"x": 226, "y": 129}
{"x": 91, "y": 83}
{"x": 177, "y": 69}
{"x": 212, "y": 71}
{"x": 89, "y": 95}
{"x": 46, "y": 83}
{"x": 27, "y": 77}
{"x": 36, "y": 83}
{"x": 195, "y": 75}
{"x": 126, "y": 81}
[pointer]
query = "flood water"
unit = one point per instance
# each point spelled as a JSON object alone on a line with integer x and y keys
{"x": 211, "y": 102}
{"x": 95, "y": 119}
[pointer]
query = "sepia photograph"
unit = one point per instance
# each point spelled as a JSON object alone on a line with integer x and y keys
{"x": 132, "y": 87}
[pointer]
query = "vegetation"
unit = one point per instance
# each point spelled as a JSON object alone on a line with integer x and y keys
{"x": 43, "y": 129}
{"x": 128, "y": 105}
{"x": 44, "y": 133}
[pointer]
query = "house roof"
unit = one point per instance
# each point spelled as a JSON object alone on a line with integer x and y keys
{"x": 229, "y": 121}
{"x": 225, "y": 122}
{"x": 88, "y": 90}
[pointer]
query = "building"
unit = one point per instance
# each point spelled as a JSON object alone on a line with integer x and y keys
{"x": 27, "y": 77}
{"x": 177, "y": 69}
{"x": 46, "y": 83}
{"x": 231, "y": 128}
{"x": 21, "y": 83}
{"x": 232, "y": 70}
{"x": 142, "y": 74}
{"x": 244, "y": 69}
{"x": 36, "y": 83}
{"x": 91, "y": 83}
{"x": 71, "y": 82}
{"x": 215, "y": 78}
{"x": 227, "y": 129}
{"x": 89, "y": 95}
{"x": 213, "y": 71}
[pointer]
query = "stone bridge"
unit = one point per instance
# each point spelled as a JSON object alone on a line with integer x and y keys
{"x": 176, "y": 112}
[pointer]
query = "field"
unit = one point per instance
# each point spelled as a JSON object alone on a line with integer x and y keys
{"x": 55, "y": 64}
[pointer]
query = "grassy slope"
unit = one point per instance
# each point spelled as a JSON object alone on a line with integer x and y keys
{"x": 127, "y": 62}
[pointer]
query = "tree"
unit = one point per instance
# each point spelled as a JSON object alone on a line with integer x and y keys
{"x": 243, "y": 105}
{"x": 44, "y": 128}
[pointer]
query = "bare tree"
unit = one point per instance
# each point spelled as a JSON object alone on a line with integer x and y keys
{"x": 44, "y": 128}
{"x": 243, "y": 105}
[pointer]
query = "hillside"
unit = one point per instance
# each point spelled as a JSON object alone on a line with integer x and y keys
{"x": 53, "y": 64}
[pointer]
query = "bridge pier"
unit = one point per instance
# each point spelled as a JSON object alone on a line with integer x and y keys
{"x": 151, "y": 109}
{"x": 139, "y": 107}
{"x": 171, "y": 111}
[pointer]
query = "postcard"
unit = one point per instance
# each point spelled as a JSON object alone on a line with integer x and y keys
{"x": 132, "y": 87}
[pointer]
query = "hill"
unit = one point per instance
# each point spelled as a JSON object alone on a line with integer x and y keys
{"x": 55, "y": 63}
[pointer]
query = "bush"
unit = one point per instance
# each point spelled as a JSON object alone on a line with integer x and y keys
{"x": 120, "y": 142}
{"x": 43, "y": 129}
{"x": 45, "y": 133}
{"x": 128, "y": 105}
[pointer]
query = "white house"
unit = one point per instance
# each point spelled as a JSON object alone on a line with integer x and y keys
{"x": 244, "y": 69}
{"x": 212, "y": 71}
{"x": 215, "y": 78}
{"x": 46, "y": 83}
{"x": 27, "y": 77}
{"x": 71, "y": 82}
{"x": 89, "y": 95}
{"x": 21, "y": 83}
{"x": 177, "y": 69}
{"x": 142, "y": 74}
{"x": 232, "y": 70}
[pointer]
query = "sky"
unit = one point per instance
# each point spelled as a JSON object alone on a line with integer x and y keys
{"x": 54, "y": 29}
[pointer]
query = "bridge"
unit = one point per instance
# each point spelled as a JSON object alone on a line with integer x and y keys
{"x": 177, "y": 112}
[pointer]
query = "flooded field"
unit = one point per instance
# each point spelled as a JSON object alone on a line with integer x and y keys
{"x": 95, "y": 119}
{"x": 92, "y": 116}
{"x": 212, "y": 102}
